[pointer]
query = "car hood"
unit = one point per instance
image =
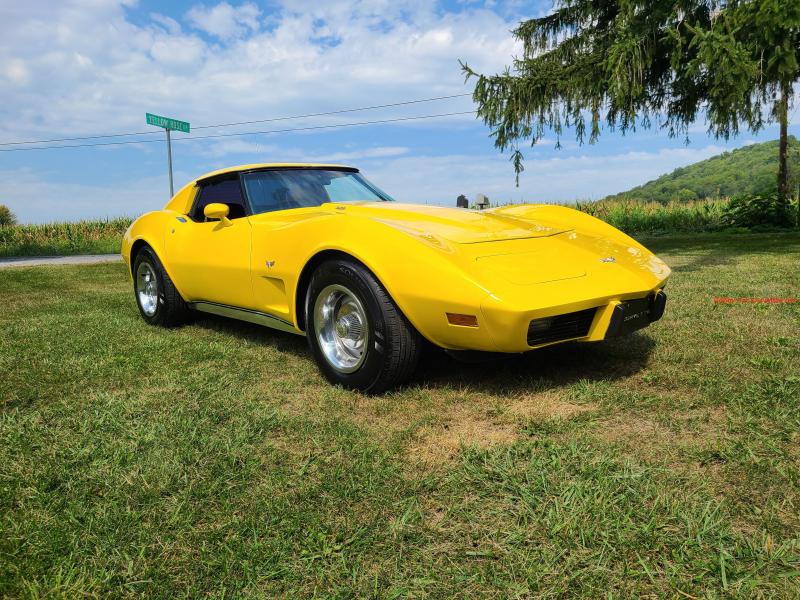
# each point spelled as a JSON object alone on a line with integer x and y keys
{"x": 455, "y": 225}
{"x": 522, "y": 250}
{"x": 571, "y": 256}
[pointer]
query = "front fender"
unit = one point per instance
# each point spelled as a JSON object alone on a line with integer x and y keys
{"x": 426, "y": 280}
{"x": 151, "y": 228}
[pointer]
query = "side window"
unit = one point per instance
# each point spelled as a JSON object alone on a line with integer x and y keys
{"x": 281, "y": 190}
{"x": 225, "y": 191}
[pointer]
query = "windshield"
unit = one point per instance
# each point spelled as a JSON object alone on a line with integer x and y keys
{"x": 281, "y": 189}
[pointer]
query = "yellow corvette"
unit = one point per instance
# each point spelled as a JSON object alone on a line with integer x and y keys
{"x": 318, "y": 250}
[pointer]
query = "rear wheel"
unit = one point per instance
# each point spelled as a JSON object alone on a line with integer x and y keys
{"x": 357, "y": 334}
{"x": 158, "y": 300}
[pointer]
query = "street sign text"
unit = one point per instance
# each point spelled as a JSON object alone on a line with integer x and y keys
{"x": 167, "y": 123}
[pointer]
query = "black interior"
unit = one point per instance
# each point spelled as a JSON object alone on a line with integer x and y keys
{"x": 225, "y": 191}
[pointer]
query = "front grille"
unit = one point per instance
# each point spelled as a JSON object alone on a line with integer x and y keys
{"x": 561, "y": 327}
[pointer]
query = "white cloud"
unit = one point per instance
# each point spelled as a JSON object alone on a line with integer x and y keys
{"x": 219, "y": 148}
{"x": 106, "y": 71}
{"x": 170, "y": 24}
{"x": 364, "y": 154}
{"x": 16, "y": 72}
{"x": 259, "y": 152}
{"x": 177, "y": 50}
{"x": 35, "y": 199}
{"x": 223, "y": 20}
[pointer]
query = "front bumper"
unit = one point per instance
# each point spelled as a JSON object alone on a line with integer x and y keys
{"x": 626, "y": 317}
{"x": 589, "y": 320}
{"x": 629, "y": 316}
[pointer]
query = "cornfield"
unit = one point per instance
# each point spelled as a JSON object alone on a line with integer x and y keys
{"x": 80, "y": 237}
{"x": 637, "y": 216}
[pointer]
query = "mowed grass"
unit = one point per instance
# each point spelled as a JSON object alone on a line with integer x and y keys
{"x": 214, "y": 461}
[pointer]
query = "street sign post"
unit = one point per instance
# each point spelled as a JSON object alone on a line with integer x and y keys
{"x": 168, "y": 125}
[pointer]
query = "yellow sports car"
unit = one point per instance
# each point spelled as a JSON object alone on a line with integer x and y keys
{"x": 318, "y": 250}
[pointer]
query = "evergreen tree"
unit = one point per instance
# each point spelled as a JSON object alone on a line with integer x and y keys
{"x": 632, "y": 63}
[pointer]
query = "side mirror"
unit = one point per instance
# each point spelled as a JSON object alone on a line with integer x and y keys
{"x": 217, "y": 210}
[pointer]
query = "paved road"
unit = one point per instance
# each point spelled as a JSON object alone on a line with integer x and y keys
{"x": 32, "y": 261}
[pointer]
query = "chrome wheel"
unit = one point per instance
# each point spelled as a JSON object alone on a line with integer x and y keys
{"x": 147, "y": 288}
{"x": 341, "y": 328}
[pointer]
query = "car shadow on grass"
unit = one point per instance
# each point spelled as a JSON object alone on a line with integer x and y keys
{"x": 254, "y": 334}
{"x": 549, "y": 367}
{"x": 701, "y": 262}
{"x": 546, "y": 368}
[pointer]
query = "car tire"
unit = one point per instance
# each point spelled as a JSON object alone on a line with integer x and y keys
{"x": 158, "y": 301}
{"x": 357, "y": 334}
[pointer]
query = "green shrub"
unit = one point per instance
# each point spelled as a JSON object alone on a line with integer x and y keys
{"x": 758, "y": 211}
{"x": 6, "y": 216}
{"x": 685, "y": 194}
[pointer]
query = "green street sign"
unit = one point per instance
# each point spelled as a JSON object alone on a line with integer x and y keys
{"x": 167, "y": 123}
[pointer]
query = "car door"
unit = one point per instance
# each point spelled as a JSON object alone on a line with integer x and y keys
{"x": 210, "y": 259}
{"x": 281, "y": 199}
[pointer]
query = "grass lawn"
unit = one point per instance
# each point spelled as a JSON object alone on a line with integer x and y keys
{"x": 213, "y": 460}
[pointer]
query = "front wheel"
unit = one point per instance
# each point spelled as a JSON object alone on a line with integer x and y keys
{"x": 357, "y": 334}
{"x": 157, "y": 298}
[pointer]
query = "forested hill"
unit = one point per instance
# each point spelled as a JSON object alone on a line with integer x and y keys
{"x": 748, "y": 170}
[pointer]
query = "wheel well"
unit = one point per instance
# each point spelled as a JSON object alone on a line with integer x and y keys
{"x": 135, "y": 249}
{"x": 305, "y": 279}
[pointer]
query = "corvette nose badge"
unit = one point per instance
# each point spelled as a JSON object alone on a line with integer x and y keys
{"x": 608, "y": 259}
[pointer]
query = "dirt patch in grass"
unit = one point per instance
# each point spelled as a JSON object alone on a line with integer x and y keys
{"x": 546, "y": 405}
{"x": 665, "y": 440}
{"x": 477, "y": 422}
{"x": 440, "y": 443}
{"x": 431, "y": 428}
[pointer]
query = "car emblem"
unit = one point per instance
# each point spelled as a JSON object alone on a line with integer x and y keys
{"x": 270, "y": 264}
{"x": 608, "y": 259}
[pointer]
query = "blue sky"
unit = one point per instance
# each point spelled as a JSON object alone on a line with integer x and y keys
{"x": 82, "y": 67}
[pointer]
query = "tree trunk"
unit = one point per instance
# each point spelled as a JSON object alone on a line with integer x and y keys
{"x": 783, "y": 117}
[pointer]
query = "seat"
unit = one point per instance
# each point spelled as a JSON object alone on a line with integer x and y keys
{"x": 235, "y": 211}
